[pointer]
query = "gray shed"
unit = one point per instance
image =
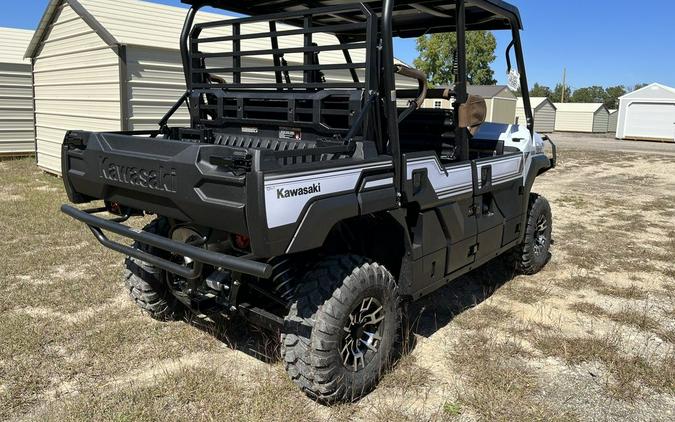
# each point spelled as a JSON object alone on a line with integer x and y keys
{"x": 16, "y": 94}
{"x": 581, "y": 117}
{"x": 613, "y": 120}
{"x": 544, "y": 112}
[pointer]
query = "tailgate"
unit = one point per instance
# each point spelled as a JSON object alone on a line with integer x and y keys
{"x": 175, "y": 179}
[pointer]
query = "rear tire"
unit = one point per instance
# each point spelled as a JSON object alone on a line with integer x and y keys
{"x": 146, "y": 283}
{"x": 533, "y": 254}
{"x": 340, "y": 333}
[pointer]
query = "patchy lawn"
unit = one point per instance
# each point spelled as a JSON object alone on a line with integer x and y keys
{"x": 591, "y": 337}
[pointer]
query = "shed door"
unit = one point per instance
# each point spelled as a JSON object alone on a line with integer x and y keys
{"x": 651, "y": 121}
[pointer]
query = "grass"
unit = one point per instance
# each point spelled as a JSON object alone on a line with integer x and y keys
{"x": 491, "y": 347}
{"x": 639, "y": 319}
{"x": 452, "y": 409}
{"x": 500, "y": 386}
{"x": 632, "y": 376}
{"x": 579, "y": 282}
{"x": 633, "y": 292}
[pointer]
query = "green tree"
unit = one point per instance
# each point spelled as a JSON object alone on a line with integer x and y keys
{"x": 638, "y": 86}
{"x": 591, "y": 94}
{"x": 436, "y": 53}
{"x": 541, "y": 91}
{"x": 612, "y": 95}
{"x": 557, "y": 93}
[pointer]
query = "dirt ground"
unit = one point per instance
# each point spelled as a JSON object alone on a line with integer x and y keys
{"x": 592, "y": 337}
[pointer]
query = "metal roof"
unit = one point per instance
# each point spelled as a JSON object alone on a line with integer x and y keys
{"x": 535, "y": 102}
{"x": 412, "y": 18}
{"x": 580, "y": 107}
{"x": 651, "y": 91}
{"x": 488, "y": 91}
{"x": 13, "y": 43}
{"x": 127, "y": 22}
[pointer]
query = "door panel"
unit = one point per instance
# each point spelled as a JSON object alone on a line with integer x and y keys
{"x": 445, "y": 228}
{"x": 459, "y": 225}
{"x": 498, "y": 200}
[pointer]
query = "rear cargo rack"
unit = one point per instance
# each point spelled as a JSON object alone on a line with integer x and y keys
{"x": 244, "y": 35}
{"x": 245, "y": 71}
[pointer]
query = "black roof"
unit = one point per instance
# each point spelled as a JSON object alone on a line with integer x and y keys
{"x": 412, "y": 18}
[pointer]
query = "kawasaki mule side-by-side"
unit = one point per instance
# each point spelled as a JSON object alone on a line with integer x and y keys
{"x": 310, "y": 194}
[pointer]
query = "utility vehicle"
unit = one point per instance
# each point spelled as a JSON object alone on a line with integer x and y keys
{"x": 309, "y": 195}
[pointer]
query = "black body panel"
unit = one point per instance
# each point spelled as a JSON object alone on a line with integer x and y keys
{"x": 170, "y": 178}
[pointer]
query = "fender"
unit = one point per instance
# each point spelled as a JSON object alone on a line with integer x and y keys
{"x": 320, "y": 218}
{"x": 539, "y": 164}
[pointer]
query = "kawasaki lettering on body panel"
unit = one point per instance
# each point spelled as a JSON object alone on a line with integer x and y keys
{"x": 159, "y": 179}
{"x": 286, "y": 197}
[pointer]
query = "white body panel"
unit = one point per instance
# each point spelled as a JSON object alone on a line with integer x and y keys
{"x": 287, "y": 196}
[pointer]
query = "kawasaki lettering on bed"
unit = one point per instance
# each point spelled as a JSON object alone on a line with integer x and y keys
{"x": 312, "y": 194}
{"x": 159, "y": 179}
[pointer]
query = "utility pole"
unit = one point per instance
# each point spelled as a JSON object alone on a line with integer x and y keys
{"x": 564, "y": 82}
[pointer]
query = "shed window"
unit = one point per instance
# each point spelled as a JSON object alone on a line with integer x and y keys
{"x": 438, "y": 104}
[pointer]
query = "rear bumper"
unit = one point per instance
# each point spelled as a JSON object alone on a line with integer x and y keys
{"x": 199, "y": 255}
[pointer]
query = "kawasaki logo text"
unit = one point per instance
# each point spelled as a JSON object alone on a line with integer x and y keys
{"x": 290, "y": 193}
{"x": 159, "y": 179}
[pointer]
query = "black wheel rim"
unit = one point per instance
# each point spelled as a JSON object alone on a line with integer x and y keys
{"x": 541, "y": 236}
{"x": 362, "y": 334}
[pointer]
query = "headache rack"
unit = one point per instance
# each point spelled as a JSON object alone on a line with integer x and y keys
{"x": 260, "y": 71}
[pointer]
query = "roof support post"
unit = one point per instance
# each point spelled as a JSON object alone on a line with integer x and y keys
{"x": 461, "y": 134}
{"x": 389, "y": 88}
{"x": 125, "y": 113}
{"x": 525, "y": 90}
{"x": 185, "y": 45}
{"x": 187, "y": 59}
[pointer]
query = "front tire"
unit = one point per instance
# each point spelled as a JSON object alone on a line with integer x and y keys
{"x": 340, "y": 333}
{"x": 533, "y": 254}
{"x": 146, "y": 283}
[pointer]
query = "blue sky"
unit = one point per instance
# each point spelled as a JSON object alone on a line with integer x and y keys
{"x": 600, "y": 42}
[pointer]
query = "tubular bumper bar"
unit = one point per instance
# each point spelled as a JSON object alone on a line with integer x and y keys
{"x": 198, "y": 255}
{"x": 554, "y": 148}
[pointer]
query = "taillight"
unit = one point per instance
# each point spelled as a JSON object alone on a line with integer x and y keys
{"x": 114, "y": 208}
{"x": 241, "y": 241}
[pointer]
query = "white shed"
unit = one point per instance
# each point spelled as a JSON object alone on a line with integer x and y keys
{"x": 16, "y": 94}
{"x": 613, "y": 120}
{"x": 544, "y": 112}
{"x": 110, "y": 65}
{"x": 647, "y": 114}
{"x": 500, "y": 101}
{"x": 103, "y": 65}
{"x": 581, "y": 117}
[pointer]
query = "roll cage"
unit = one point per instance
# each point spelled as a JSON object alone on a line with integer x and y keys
{"x": 369, "y": 24}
